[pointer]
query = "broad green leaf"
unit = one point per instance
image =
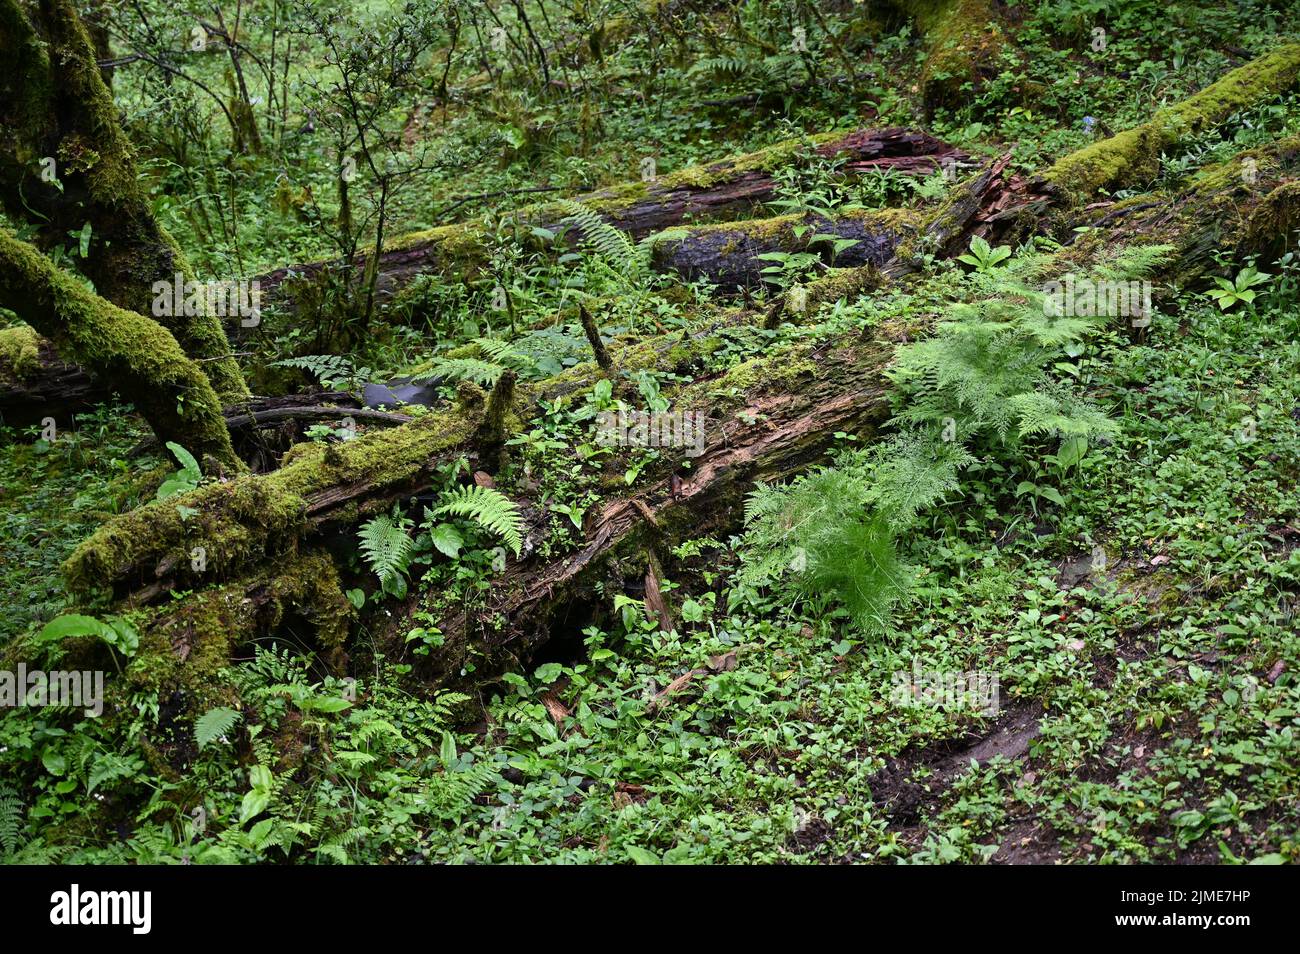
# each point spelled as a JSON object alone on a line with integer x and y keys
{"x": 447, "y": 539}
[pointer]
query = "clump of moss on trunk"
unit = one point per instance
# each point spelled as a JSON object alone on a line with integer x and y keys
{"x": 19, "y": 352}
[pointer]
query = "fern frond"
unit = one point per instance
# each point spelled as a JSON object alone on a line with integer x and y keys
{"x": 386, "y": 546}
{"x": 11, "y": 820}
{"x": 490, "y": 509}
{"x": 612, "y": 244}
{"x": 214, "y": 724}
{"x": 462, "y": 369}
{"x": 329, "y": 369}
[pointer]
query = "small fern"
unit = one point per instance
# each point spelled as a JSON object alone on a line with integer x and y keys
{"x": 490, "y": 509}
{"x": 818, "y": 537}
{"x": 332, "y": 370}
{"x": 11, "y": 820}
{"x": 386, "y": 546}
{"x": 628, "y": 260}
{"x": 214, "y": 724}
{"x": 462, "y": 369}
{"x": 496, "y": 357}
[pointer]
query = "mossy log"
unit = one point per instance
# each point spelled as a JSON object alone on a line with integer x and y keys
{"x": 186, "y": 642}
{"x": 241, "y": 522}
{"x": 727, "y": 253}
{"x": 775, "y": 415}
{"x": 1132, "y": 157}
{"x": 730, "y": 188}
{"x": 136, "y": 353}
{"x": 766, "y": 420}
{"x": 54, "y": 107}
{"x": 36, "y": 383}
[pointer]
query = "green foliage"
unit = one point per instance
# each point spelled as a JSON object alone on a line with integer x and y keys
{"x": 984, "y": 257}
{"x": 333, "y": 371}
{"x": 490, "y": 509}
{"x": 626, "y": 263}
{"x": 11, "y": 820}
{"x": 114, "y": 631}
{"x": 386, "y": 545}
{"x": 986, "y": 370}
{"x": 463, "y": 369}
{"x": 832, "y": 532}
{"x": 214, "y": 724}
{"x": 185, "y": 479}
{"x": 498, "y": 357}
{"x": 1241, "y": 289}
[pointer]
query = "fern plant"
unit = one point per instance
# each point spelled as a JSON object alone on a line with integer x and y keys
{"x": 490, "y": 509}
{"x": 334, "y": 371}
{"x": 626, "y": 262}
{"x": 214, "y": 724}
{"x": 386, "y": 545}
{"x": 776, "y": 73}
{"x": 498, "y": 356}
{"x": 830, "y": 533}
{"x": 11, "y": 820}
{"x": 986, "y": 370}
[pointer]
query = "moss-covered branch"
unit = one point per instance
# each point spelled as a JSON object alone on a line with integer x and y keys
{"x": 140, "y": 356}
{"x": 1133, "y": 156}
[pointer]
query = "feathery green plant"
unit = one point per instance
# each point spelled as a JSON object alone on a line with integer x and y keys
{"x": 832, "y": 531}
{"x": 386, "y": 545}
{"x": 490, "y": 509}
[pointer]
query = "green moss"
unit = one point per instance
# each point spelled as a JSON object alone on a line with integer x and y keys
{"x": 184, "y": 644}
{"x": 241, "y": 521}
{"x": 961, "y": 36}
{"x": 69, "y": 113}
{"x": 843, "y": 283}
{"x": 1134, "y": 155}
{"x": 137, "y": 354}
{"x": 1272, "y": 225}
{"x": 783, "y": 370}
{"x": 19, "y": 351}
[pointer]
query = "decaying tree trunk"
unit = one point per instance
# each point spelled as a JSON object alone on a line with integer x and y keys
{"x": 699, "y": 193}
{"x": 964, "y": 41}
{"x": 36, "y": 383}
{"x": 727, "y": 253}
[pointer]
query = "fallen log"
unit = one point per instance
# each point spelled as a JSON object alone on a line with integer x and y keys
{"x": 769, "y": 417}
{"x": 36, "y": 383}
{"x": 772, "y": 431}
{"x": 727, "y": 254}
{"x": 730, "y": 188}
{"x": 1133, "y": 156}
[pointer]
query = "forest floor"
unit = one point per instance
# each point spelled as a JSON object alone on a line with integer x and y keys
{"x": 1119, "y": 637}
